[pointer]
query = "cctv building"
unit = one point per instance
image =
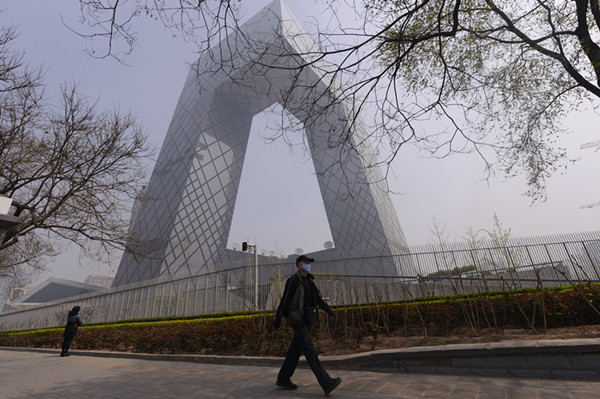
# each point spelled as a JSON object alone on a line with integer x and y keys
{"x": 180, "y": 226}
{"x": 179, "y": 264}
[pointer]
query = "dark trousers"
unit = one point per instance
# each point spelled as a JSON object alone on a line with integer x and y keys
{"x": 302, "y": 342}
{"x": 67, "y": 343}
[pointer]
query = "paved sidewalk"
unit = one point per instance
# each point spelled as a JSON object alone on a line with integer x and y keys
{"x": 31, "y": 374}
{"x": 566, "y": 359}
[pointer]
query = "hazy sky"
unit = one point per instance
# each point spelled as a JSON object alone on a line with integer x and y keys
{"x": 279, "y": 203}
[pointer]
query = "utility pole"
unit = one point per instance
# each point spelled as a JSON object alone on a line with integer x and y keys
{"x": 253, "y": 247}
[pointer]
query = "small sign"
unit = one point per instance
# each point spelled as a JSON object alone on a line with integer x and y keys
{"x": 5, "y": 205}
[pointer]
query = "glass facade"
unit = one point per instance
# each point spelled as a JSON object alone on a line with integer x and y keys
{"x": 181, "y": 225}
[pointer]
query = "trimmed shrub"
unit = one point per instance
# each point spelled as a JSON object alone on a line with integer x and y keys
{"x": 251, "y": 333}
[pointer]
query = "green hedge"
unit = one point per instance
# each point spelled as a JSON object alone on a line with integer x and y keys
{"x": 251, "y": 333}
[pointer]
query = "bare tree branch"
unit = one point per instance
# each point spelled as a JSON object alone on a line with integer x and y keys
{"x": 72, "y": 171}
{"x": 451, "y": 76}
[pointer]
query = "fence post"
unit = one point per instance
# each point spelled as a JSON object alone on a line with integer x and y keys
{"x": 205, "y": 293}
{"x": 185, "y": 297}
{"x": 177, "y": 294}
{"x": 147, "y": 300}
{"x": 196, "y": 295}
{"x": 226, "y": 291}
{"x": 215, "y": 298}
{"x": 162, "y": 295}
{"x": 594, "y": 267}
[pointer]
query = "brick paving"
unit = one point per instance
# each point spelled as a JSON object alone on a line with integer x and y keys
{"x": 29, "y": 374}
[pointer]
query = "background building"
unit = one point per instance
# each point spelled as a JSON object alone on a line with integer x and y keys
{"x": 52, "y": 289}
{"x": 102, "y": 281}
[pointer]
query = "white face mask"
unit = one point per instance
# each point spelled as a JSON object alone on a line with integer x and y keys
{"x": 306, "y": 267}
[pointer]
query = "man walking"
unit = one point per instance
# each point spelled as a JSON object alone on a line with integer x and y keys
{"x": 73, "y": 322}
{"x": 299, "y": 305}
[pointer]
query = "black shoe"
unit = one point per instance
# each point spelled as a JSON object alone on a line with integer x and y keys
{"x": 290, "y": 386}
{"x": 332, "y": 385}
{"x": 63, "y": 354}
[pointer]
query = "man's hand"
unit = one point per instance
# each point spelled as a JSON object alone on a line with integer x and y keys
{"x": 277, "y": 323}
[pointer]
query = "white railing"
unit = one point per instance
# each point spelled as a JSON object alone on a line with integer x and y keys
{"x": 452, "y": 269}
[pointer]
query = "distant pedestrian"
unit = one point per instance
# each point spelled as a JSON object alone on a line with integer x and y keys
{"x": 73, "y": 322}
{"x": 299, "y": 305}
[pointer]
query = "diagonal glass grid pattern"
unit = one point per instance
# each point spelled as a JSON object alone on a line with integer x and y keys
{"x": 183, "y": 225}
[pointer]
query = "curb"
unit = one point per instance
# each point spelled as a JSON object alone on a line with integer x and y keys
{"x": 577, "y": 359}
{"x": 549, "y": 359}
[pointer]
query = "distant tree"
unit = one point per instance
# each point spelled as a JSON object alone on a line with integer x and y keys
{"x": 70, "y": 169}
{"x": 452, "y": 76}
{"x": 508, "y": 255}
{"x": 511, "y": 256}
{"x": 444, "y": 261}
{"x": 439, "y": 234}
{"x": 472, "y": 238}
{"x": 499, "y": 235}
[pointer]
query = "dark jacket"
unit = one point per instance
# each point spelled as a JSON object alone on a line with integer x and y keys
{"x": 73, "y": 321}
{"x": 312, "y": 297}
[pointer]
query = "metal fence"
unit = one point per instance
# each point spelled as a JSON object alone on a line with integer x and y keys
{"x": 443, "y": 270}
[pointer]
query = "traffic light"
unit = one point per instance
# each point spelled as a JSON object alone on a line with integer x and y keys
{"x": 244, "y": 246}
